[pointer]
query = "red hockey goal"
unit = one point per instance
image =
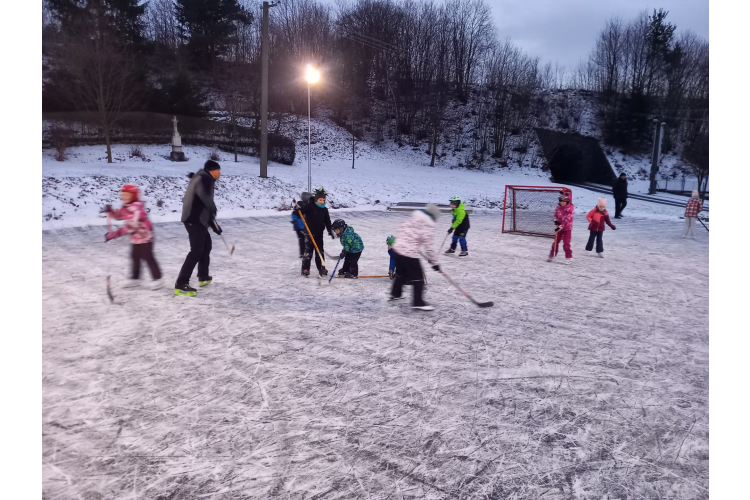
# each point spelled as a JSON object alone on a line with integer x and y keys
{"x": 531, "y": 209}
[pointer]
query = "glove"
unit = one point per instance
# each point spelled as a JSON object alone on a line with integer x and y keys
{"x": 216, "y": 228}
{"x": 108, "y": 208}
{"x": 391, "y": 273}
{"x": 436, "y": 267}
{"x": 343, "y": 254}
{"x": 558, "y": 228}
{"x": 613, "y": 228}
{"x": 450, "y": 230}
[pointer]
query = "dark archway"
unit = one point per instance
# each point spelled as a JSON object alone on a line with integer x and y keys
{"x": 566, "y": 164}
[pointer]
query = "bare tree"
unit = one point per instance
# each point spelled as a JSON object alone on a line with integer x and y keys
{"x": 101, "y": 71}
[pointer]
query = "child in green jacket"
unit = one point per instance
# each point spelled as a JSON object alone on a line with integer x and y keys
{"x": 460, "y": 225}
{"x": 352, "y": 250}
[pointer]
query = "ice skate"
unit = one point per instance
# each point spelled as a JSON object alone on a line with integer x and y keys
{"x": 425, "y": 307}
{"x": 205, "y": 281}
{"x": 464, "y": 253}
{"x": 305, "y": 273}
{"x": 157, "y": 284}
{"x": 450, "y": 250}
{"x": 392, "y": 298}
{"x": 600, "y": 254}
{"x": 131, "y": 283}
{"x": 568, "y": 261}
{"x": 186, "y": 290}
{"x": 324, "y": 272}
{"x": 550, "y": 259}
{"x": 350, "y": 276}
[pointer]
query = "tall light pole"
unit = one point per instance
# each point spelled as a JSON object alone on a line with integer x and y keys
{"x": 311, "y": 76}
{"x": 264, "y": 91}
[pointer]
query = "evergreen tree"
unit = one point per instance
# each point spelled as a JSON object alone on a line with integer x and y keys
{"x": 207, "y": 27}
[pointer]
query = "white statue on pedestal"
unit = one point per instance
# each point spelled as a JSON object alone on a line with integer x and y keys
{"x": 177, "y": 154}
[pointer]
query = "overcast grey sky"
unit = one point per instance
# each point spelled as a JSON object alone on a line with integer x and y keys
{"x": 564, "y": 31}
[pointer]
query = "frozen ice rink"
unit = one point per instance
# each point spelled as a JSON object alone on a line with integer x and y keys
{"x": 584, "y": 381}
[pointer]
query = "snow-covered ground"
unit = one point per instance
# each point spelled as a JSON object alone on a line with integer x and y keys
{"x": 74, "y": 191}
{"x": 584, "y": 381}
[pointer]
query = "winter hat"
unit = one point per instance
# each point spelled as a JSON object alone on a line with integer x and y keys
{"x": 211, "y": 165}
{"x": 132, "y": 189}
{"x": 696, "y": 194}
{"x": 319, "y": 193}
{"x": 602, "y": 203}
{"x": 390, "y": 240}
{"x": 432, "y": 210}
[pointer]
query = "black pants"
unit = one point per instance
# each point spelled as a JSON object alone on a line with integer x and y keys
{"x": 409, "y": 272}
{"x": 200, "y": 250}
{"x": 301, "y": 240}
{"x": 350, "y": 264}
{"x": 595, "y": 235}
{"x": 620, "y": 204}
{"x": 145, "y": 251}
{"x": 309, "y": 250}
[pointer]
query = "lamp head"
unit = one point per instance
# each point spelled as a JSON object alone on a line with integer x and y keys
{"x": 312, "y": 75}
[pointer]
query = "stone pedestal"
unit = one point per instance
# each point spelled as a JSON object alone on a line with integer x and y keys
{"x": 176, "y": 154}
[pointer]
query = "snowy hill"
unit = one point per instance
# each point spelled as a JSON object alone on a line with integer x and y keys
{"x": 74, "y": 191}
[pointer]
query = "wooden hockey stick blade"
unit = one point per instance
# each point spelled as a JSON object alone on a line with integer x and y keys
{"x": 109, "y": 292}
{"x": 384, "y": 276}
{"x": 232, "y": 252}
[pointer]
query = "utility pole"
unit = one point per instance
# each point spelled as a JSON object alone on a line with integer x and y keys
{"x": 264, "y": 92}
{"x": 658, "y": 136}
{"x": 352, "y": 144}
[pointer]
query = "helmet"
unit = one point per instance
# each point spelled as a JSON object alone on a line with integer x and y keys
{"x": 305, "y": 196}
{"x": 319, "y": 193}
{"x": 563, "y": 197}
{"x": 132, "y": 189}
{"x": 390, "y": 240}
{"x": 455, "y": 198}
{"x": 338, "y": 224}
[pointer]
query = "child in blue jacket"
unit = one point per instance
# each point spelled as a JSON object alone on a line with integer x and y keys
{"x": 392, "y": 266}
{"x": 352, "y": 250}
{"x": 299, "y": 225}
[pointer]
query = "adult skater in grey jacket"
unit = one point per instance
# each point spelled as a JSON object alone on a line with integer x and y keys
{"x": 198, "y": 214}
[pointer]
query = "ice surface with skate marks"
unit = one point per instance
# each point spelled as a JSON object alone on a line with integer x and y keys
{"x": 584, "y": 381}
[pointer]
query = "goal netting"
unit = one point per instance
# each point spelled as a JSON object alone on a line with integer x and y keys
{"x": 531, "y": 209}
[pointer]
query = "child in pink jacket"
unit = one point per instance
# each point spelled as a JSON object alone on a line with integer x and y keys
{"x": 141, "y": 233}
{"x": 597, "y": 218}
{"x": 564, "y": 222}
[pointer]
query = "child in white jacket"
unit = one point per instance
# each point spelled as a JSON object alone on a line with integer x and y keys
{"x": 415, "y": 233}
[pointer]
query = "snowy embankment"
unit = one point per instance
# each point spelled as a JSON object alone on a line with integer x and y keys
{"x": 74, "y": 191}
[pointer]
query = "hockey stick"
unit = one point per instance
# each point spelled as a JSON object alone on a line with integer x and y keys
{"x": 334, "y": 270}
{"x": 231, "y": 252}
{"x": 478, "y": 304}
{"x": 699, "y": 220}
{"x": 322, "y": 257}
{"x": 554, "y": 245}
{"x": 443, "y": 243}
{"x": 109, "y": 289}
{"x": 384, "y": 276}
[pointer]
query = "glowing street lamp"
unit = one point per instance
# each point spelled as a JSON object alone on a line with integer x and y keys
{"x": 312, "y": 75}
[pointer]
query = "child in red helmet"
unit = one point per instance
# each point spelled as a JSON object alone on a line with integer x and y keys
{"x": 141, "y": 233}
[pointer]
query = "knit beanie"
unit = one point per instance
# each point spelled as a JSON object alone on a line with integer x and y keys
{"x": 602, "y": 203}
{"x": 696, "y": 194}
{"x": 211, "y": 165}
{"x": 432, "y": 210}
